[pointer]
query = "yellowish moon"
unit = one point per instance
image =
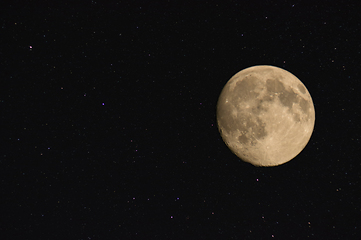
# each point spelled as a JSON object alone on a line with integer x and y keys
{"x": 265, "y": 115}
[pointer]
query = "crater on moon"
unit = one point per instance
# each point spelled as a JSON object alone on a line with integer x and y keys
{"x": 265, "y": 115}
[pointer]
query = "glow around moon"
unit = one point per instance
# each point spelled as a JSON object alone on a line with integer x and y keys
{"x": 265, "y": 115}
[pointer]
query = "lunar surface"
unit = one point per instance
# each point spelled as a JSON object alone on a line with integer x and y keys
{"x": 265, "y": 115}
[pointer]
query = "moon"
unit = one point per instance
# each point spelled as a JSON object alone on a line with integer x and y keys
{"x": 265, "y": 115}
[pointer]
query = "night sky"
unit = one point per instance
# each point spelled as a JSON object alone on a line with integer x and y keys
{"x": 108, "y": 120}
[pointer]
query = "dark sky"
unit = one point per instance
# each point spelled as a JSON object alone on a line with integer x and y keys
{"x": 108, "y": 116}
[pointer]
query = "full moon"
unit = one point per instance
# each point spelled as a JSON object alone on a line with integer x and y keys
{"x": 265, "y": 115}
